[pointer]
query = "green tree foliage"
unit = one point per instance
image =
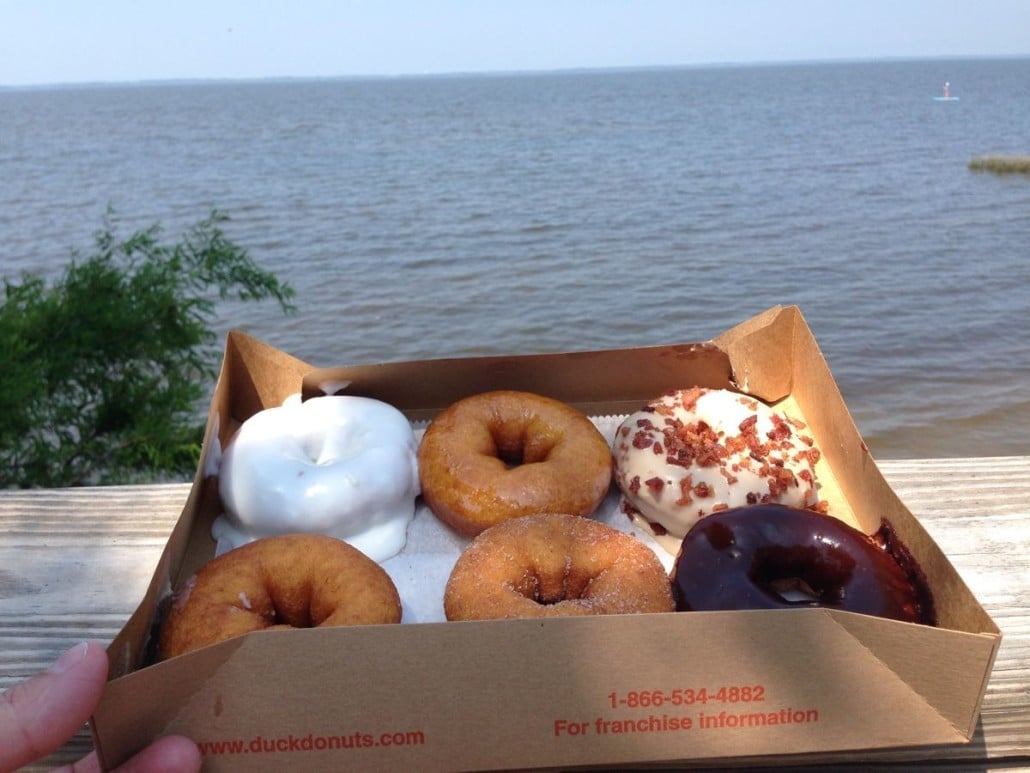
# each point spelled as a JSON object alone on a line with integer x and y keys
{"x": 102, "y": 371}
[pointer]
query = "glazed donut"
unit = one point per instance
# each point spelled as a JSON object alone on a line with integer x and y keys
{"x": 778, "y": 557}
{"x": 343, "y": 466}
{"x": 698, "y": 451}
{"x": 552, "y": 566}
{"x": 289, "y": 581}
{"x": 505, "y": 454}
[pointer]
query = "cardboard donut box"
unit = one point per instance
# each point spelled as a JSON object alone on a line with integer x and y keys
{"x": 680, "y": 688}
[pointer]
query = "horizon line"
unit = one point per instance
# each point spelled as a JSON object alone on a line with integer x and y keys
{"x": 216, "y": 79}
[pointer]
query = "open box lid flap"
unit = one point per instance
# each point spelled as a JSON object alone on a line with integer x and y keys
{"x": 952, "y": 681}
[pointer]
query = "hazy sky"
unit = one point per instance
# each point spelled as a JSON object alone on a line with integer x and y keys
{"x": 59, "y": 41}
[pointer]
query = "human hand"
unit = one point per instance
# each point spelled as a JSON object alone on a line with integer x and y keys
{"x": 40, "y": 714}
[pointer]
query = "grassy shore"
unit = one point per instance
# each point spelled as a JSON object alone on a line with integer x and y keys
{"x": 1001, "y": 164}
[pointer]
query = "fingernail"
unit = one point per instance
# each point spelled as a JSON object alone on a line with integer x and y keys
{"x": 70, "y": 658}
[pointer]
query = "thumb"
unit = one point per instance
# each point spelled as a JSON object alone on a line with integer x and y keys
{"x": 39, "y": 715}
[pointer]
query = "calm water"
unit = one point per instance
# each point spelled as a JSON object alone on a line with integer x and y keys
{"x": 443, "y": 216}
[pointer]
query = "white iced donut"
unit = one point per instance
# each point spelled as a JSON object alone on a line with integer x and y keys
{"x": 342, "y": 466}
{"x": 694, "y": 452}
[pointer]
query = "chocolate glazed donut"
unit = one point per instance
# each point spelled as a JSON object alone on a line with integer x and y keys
{"x": 778, "y": 557}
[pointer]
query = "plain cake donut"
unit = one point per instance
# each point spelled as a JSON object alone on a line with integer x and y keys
{"x": 287, "y": 581}
{"x": 552, "y": 565}
{"x": 505, "y": 454}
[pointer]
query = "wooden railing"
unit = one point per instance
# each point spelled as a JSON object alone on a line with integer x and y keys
{"x": 75, "y": 562}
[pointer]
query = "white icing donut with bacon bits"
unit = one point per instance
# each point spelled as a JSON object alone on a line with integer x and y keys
{"x": 343, "y": 466}
{"x": 694, "y": 452}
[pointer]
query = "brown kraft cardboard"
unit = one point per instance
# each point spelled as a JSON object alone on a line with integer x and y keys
{"x": 616, "y": 690}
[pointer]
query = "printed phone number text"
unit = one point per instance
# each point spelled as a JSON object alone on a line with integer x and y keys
{"x": 645, "y": 699}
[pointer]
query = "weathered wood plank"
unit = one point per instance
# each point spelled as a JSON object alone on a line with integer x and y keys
{"x": 74, "y": 563}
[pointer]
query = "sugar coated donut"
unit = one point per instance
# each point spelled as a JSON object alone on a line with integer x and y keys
{"x": 289, "y": 581}
{"x": 506, "y": 454}
{"x": 555, "y": 565}
{"x": 343, "y": 466}
{"x": 698, "y": 451}
{"x": 777, "y": 557}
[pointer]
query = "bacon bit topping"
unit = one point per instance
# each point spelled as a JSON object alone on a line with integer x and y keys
{"x": 752, "y": 498}
{"x": 686, "y": 486}
{"x": 656, "y": 485}
{"x": 687, "y": 444}
{"x": 664, "y": 410}
{"x": 718, "y": 507}
{"x": 736, "y": 444}
{"x": 690, "y": 397}
{"x": 780, "y": 430}
{"x": 642, "y": 440}
{"x": 624, "y": 431}
{"x": 634, "y": 484}
{"x": 702, "y": 490}
{"x": 780, "y": 479}
{"x": 812, "y": 455}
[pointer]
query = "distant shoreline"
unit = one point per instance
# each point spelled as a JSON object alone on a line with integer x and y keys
{"x": 442, "y": 75}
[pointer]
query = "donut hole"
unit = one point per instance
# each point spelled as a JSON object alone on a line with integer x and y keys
{"x": 517, "y": 443}
{"x": 548, "y": 586}
{"x": 294, "y": 618}
{"x": 794, "y": 590}
{"x": 548, "y": 594}
{"x": 297, "y": 604}
{"x": 802, "y": 575}
{"x": 286, "y": 610}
